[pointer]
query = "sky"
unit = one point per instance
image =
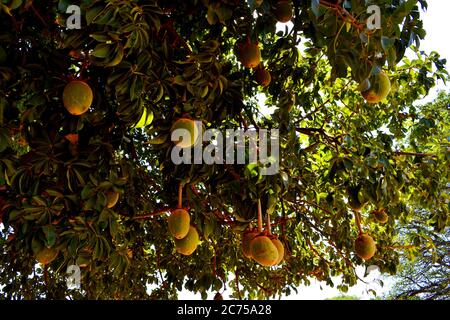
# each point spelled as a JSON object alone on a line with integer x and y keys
{"x": 435, "y": 23}
{"x": 435, "y": 19}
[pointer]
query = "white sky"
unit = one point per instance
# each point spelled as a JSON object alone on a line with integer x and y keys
{"x": 435, "y": 23}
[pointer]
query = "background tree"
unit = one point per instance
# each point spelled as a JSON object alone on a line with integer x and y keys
{"x": 425, "y": 267}
{"x": 342, "y": 158}
{"x": 426, "y": 276}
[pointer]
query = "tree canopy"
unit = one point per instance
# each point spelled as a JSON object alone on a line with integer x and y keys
{"x": 86, "y": 175}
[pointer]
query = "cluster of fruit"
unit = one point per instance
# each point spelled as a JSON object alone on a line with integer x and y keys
{"x": 374, "y": 89}
{"x": 78, "y": 98}
{"x": 250, "y": 53}
{"x": 186, "y": 236}
{"x": 179, "y": 222}
{"x": 263, "y": 247}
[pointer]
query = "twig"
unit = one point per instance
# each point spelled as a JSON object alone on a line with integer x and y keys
{"x": 344, "y": 14}
{"x": 38, "y": 15}
{"x": 235, "y": 175}
{"x": 314, "y": 205}
{"x": 236, "y": 279}
{"x": 170, "y": 28}
{"x": 153, "y": 214}
{"x": 402, "y": 153}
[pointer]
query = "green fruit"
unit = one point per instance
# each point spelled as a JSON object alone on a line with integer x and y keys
{"x": 77, "y": 97}
{"x": 353, "y": 199}
{"x": 378, "y": 89}
{"x": 247, "y": 238}
{"x": 283, "y": 11}
{"x": 365, "y": 246}
{"x": 250, "y": 55}
{"x": 280, "y": 249}
{"x": 264, "y": 251}
{"x": 188, "y": 244}
{"x": 191, "y": 132}
{"x": 179, "y": 223}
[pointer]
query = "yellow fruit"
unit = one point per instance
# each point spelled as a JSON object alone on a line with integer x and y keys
{"x": 381, "y": 216}
{"x": 379, "y": 87}
{"x": 179, "y": 223}
{"x": 365, "y": 246}
{"x": 250, "y": 55}
{"x": 283, "y": 11}
{"x": 264, "y": 251}
{"x": 263, "y": 77}
{"x": 111, "y": 198}
{"x": 192, "y": 132}
{"x": 188, "y": 244}
{"x": 145, "y": 120}
{"x": 46, "y": 255}
{"x": 77, "y": 97}
{"x": 280, "y": 249}
{"x": 247, "y": 238}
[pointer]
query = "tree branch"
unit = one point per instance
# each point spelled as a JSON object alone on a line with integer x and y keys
{"x": 153, "y": 214}
{"x": 402, "y": 153}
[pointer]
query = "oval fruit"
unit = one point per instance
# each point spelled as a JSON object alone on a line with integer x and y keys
{"x": 353, "y": 198}
{"x": 188, "y": 244}
{"x": 381, "y": 216}
{"x": 280, "y": 249}
{"x": 247, "y": 238}
{"x": 191, "y": 134}
{"x": 379, "y": 88}
{"x": 264, "y": 251}
{"x": 250, "y": 55}
{"x": 77, "y": 97}
{"x": 283, "y": 11}
{"x": 365, "y": 246}
{"x": 179, "y": 223}
{"x": 111, "y": 198}
{"x": 46, "y": 255}
{"x": 263, "y": 77}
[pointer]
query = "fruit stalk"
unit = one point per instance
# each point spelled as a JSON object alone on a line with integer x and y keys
{"x": 180, "y": 196}
{"x": 260, "y": 223}
{"x": 358, "y": 221}
{"x": 268, "y": 229}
